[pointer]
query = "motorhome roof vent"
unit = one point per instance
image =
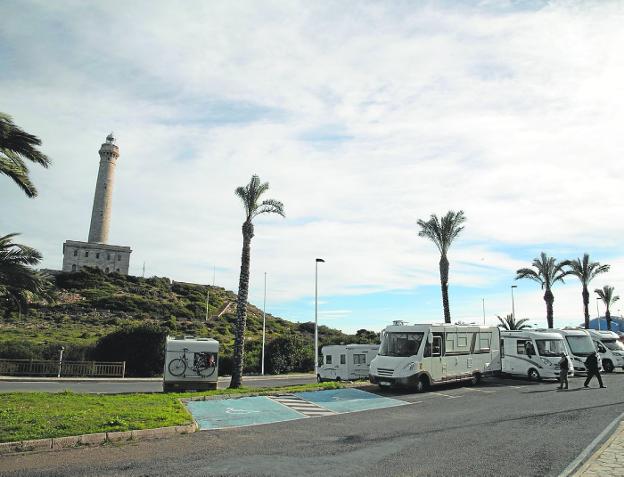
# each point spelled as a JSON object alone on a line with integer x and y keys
{"x": 399, "y": 323}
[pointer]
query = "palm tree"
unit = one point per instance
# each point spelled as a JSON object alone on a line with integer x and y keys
{"x": 16, "y": 145}
{"x": 547, "y": 272}
{"x": 442, "y": 232}
{"x": 250, "y": 195}
{"x": 17, "y": 277}
{"x": 510, "y": 323}
{"x": 585, "y": 271}
{"x": 606, "y": 294}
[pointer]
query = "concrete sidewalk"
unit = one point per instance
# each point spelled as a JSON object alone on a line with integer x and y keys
{"x": 52, "y": 379}
{"x": 608, "y": 460}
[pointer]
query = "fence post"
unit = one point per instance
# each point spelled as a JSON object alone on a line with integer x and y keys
{"x": 123, "y": 370}
{"x": 60, "y": 361}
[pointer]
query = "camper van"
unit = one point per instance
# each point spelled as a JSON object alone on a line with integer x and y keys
{"x": 425, "y": 354}
{"x": 533, "y": 354}
{"x": 344, "y": 362}
{"x": 610, "y": 349}
{"x": 190, "y": 364}
{"x": 580, "y": 345}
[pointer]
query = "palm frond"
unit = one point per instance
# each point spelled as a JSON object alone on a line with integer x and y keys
{"x": 442, "y": 231}
{"x": 270, "y": 206}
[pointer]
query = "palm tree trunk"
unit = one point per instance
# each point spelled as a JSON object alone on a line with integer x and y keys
{"x": 549, "y": 298}
{"x": 608, "y": 317}
{"x": 444, "y": 274}
{"x": 241, "y": 308}
{"x": 586, "y": 305}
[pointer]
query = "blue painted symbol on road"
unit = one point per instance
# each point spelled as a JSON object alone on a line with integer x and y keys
{"x": 349, "y": 400}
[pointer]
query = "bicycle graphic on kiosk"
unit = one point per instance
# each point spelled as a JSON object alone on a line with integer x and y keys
{"x": 204, "y": 364}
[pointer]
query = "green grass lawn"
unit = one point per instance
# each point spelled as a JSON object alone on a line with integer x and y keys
{"x": 42, "y": 415}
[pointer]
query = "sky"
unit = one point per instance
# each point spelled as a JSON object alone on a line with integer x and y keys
{"x": 363, "y": 116}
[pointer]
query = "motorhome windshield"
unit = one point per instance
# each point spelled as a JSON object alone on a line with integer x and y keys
{"x": 550, "y": 347}
{"x": 613, "y": 345}
{"x": 400, "y": 344}
{"x": 580, "y": 345}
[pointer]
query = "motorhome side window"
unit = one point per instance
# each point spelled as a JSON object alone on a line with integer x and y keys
{"x": 483, "y": 343}
{"x": 359, "y": 359}
{"x": 521, "y": 346}
{"x": 402, "y": 344}
{"x": 328, "y": 359}
{"x": 343, "y": 359}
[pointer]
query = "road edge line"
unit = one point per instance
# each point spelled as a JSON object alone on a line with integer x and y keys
{"x": 587, "y": 453}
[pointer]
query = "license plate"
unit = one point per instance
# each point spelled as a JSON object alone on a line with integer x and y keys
{"x": 385, "y": 383}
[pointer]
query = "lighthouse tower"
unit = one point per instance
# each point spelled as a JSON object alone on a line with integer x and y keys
{"x": 103, "y": 198}
{"x": 96, "y": 252}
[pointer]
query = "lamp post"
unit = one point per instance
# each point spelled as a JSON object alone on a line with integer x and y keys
{"x": 513, "y": 304}
{"x": 483, "y": 305}
{"x": 264, "y": 322}
{"x": 60, "y": 361}
{"x": 318, "y": 260}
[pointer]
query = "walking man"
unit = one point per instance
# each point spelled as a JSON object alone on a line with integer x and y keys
{"x": 591, "y": 363}
{"x": 563, "y": 371}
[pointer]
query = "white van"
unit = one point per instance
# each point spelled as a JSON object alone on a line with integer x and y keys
{"x": 427, "y": 354}
{"x": 580, "y": 345}
{"x": 191, "y": 364}
{"x": 533, "y": 354}
{"x": 344, "y": 362}
{"x": 610, "y": 348}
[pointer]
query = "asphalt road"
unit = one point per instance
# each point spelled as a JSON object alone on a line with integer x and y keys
{"x": 499, "y": 428}
{"x": 133, "y": 386}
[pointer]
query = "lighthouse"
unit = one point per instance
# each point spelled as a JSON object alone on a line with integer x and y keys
{"x": 103, "y": 198}
{"x": 97, "y": 252}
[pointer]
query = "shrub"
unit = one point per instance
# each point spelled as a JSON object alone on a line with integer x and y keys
{"x": 289, "y": 353}
{"x": 140, "y": 346}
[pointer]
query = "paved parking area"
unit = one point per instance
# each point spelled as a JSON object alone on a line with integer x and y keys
{"x": 250, "y": 411}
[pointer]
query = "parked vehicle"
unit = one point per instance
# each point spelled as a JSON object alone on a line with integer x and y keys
{"x": 533, "y": 354}
{"x": 191, "y": 363}
{"x": 580, "y": 345}
{"x": 344, "y": 362}
{"x": 426, "y": 354}
{"x": 610, "y": 349}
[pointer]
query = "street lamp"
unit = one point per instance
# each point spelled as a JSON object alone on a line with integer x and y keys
{"x": 264, "y": 322}
{"x": 483, "y": 305}
{"x": 513, "y": 305}
{"x": 60, "y": 361}
{"x": 318, "y": 260}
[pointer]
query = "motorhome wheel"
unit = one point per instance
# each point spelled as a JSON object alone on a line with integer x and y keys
{"x": 318, "y": 378}
{"x": 476, "y": 379}
{"x": 608, "y": 366}
{"x": 534, "y": 375}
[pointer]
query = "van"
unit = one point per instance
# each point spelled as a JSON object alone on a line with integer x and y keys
{"x": 422, "y": 355}
{"x": 580, "y": 345}
{"x": 534, "y": 355}
{"x": 610, "y": 349}
{"x": 346, "y": 362}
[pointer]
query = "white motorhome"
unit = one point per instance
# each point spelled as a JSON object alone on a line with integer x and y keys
{"x": 425, "y": 354}
{"x": 344, "y": 362}
{"x": 610, "y": 349}
{"x": 191, "y": 363}
{"x": 533, "y": 354}
{"x": 580, "y": 345}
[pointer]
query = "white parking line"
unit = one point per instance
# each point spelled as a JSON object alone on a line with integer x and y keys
{"x": 446, "y": 395}
{"x": 478, "y": 390}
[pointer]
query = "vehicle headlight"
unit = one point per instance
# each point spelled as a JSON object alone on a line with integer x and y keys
{"x": 546, "y": 362}
{"x": 410, "y": 366}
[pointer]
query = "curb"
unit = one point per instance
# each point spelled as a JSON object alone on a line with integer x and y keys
{"x": 590, "y": 453}
{"x": 262, "y": 393}
{"x": 56, "y": 443}
{"x": 614, "y": 435}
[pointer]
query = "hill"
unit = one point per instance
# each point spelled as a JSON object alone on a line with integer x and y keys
{"x": 90, "y": 305}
